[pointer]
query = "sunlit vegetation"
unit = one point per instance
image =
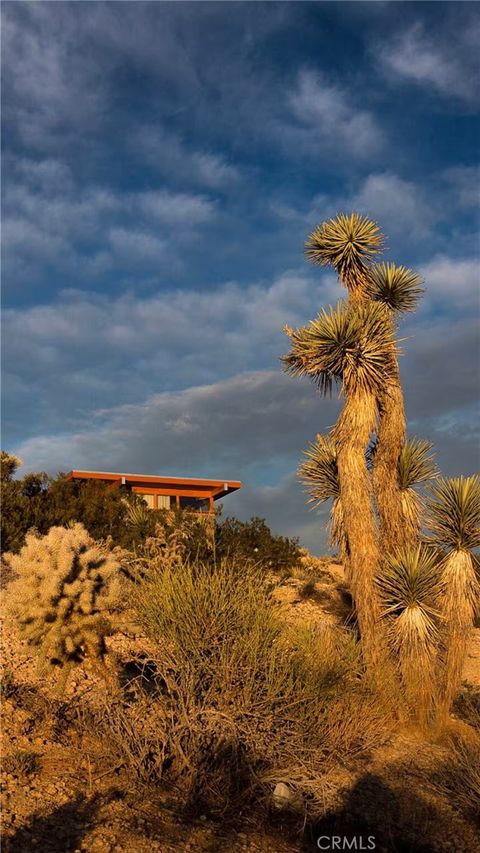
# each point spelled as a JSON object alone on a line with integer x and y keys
{"x": 415, "y": 606}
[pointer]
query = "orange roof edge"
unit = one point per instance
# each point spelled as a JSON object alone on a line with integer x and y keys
{"x": 232, "y": 485}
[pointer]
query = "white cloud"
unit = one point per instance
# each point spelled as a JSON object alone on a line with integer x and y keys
{"x": 464, "y": 185}
{"x": 168, "y": 154}
{"x": 135, "y": 246}
{"x": 447, "y": 64}
{"x": 87, "y": 353}
{"x": 453, "y": 284}
{"x": 48, "y": 218}
{"x": 180, "y": 336}
{"x": 48, "y": 87}
{"x": 330, "y": 117}
{"x": 175, "y": 208}
{"x": 400, "y": 206}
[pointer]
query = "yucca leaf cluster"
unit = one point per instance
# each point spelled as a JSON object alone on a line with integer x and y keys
{"x": 454, "y": 512}
{"x": 348, "y": 243}
{"x": 345, "y": 344}
{"x": 65, "y": 588}
{"x": 395, "y": 286}
{"x": 319, "y": 470}
{"x": 416, "y": 466}
{"x": 319, "y": 473}
{"x": 409, "y": 588}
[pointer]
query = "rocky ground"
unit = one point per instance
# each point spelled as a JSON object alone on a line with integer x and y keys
{"x": 63, "y": 793}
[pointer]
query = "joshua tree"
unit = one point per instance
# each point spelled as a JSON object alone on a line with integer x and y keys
{"x": 409, "y": 584}
{"x": 351, "y": 344}
{"x": 454, "y": 518}
{"x": 367, "y": 455}
{"x": 398, "y": 289}
{"x": 349, "y": 244}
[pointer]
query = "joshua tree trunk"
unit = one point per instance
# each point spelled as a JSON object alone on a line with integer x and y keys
{"x": 338, "y": 536}
{"x": 352, "y": 434}
{"x": 459, "y": 603}
{"x": 395, "y": 531}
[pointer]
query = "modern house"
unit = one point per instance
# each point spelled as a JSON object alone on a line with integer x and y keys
{"x": 165, "y": 492}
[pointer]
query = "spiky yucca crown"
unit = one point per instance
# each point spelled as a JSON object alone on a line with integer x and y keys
{"x": 319, "y": 471}
{"x": 351, "y": 344}
{"x": 409, "y": 585}
{"x": 410, "y": 578}
{"x": 348, "y": 243}
{"x": 66, "y": 586}
{"x": 454, "y": 512}
{"x": 395, "y": 286}
{"x": 416, "y": 463}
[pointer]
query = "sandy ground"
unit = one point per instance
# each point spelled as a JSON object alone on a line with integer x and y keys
{"x": 78, "y": 801}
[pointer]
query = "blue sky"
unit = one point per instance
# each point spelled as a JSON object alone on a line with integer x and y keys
{"x": 163, "y": 164}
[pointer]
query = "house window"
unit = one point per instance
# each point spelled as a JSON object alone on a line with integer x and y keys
{"x": 149, "y": 499}
{"x": 197, "y": 504}
{"x": 164, "y": 501}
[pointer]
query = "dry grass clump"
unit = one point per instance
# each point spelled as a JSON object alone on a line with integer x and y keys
{"x": 22, "y": 762}
{"x": 467, "y": 705}
{"x": 458, "y": 778}
{"x": 236, "y": 701}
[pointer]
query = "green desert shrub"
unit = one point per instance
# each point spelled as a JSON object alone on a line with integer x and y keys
{"x": 65, "y": 588}
{"x": 41, "y": 502}
{"x": 238, "y": 700}
{"x": 253, "y": 541}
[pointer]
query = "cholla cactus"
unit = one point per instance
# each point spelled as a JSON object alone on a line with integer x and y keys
{"x": 66, "y": 586}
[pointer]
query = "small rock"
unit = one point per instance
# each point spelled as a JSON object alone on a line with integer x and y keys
{"x": 283, "y": 797}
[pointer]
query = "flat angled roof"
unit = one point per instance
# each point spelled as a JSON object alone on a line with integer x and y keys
{"x": 222, "y": 486}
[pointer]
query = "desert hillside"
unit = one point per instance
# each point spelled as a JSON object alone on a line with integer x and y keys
{"x": 67, "y": 787}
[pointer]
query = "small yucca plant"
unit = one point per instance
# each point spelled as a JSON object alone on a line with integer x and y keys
{"x": 395, "y": 286}
{"x": 409, "y": 585}
{"x": 348, "y": 243}
{"x": 416, "y": 465}
{"x": 66, "y": 587}
{"x": 138, "y": 518}
{"x": 454, "y": 519}
{"x": 319, "y": 473}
